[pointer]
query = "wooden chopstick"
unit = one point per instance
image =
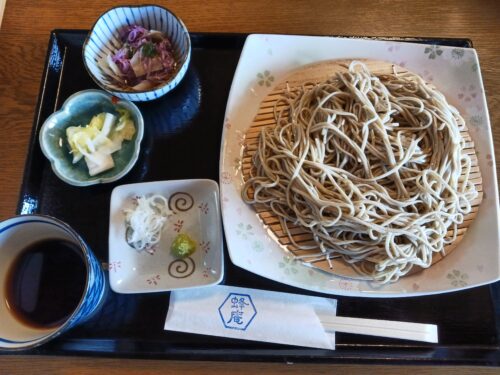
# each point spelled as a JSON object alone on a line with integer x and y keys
{"x": 383, "y": 328}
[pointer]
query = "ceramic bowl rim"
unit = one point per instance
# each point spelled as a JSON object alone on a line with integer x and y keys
{"x": 185, "y": 57}
{"x": 85, "y": 250}
{"x": 54, "y": 162}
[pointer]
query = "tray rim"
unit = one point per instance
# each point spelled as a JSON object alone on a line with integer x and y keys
{"x": 409, "y": 354}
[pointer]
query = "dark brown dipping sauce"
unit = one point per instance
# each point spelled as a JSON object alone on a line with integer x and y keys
{"x": 46, "y": 282}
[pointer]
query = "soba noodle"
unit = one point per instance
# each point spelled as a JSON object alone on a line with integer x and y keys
{"x": 373, "y": 167}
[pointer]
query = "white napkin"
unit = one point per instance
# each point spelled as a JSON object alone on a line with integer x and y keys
{"x": 252, "y": 314}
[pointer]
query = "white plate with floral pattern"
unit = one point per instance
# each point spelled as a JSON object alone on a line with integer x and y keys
{"x": 266, "y": 59}
{"x": 194, "y": 210}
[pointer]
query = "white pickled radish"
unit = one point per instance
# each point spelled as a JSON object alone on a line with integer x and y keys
{"x": 98, "y": 162}
{"x": 146, "y": 221}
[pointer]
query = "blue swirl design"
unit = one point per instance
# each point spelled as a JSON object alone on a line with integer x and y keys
{"x": 94, "y": 294}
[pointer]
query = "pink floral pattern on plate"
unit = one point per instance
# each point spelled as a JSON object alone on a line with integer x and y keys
{"x": 178, "y": 225}
{"x": 153, "y": 280}
{"x": 114, "y": 266}
{"x": 467, "y": 93}
{"x": 203, "y": 206}
{"x": 346, "y": 285}
{"x": 243, "y": 228}
{"x": 141, "y": 272}
{"x": 394, "y": 47}
{"x": 226, "y": 178}
{"x": 205, "y": 246}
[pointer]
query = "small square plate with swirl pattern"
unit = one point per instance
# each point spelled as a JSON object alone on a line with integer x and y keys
{"x": 193, "y": 209}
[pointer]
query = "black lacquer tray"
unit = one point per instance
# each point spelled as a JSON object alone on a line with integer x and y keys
{"x": 179, "y": 128}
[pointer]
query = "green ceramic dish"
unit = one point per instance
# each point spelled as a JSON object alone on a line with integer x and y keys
{"x": 79, "y": 109}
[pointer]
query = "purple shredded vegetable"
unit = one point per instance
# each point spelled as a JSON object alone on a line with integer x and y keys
{"x": 146, "y": 57}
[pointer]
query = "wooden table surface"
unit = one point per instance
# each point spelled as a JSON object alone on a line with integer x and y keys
{"x": 23, "y": 39}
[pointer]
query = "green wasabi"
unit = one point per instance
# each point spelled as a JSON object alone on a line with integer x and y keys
{"x": 183, "y": 246}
